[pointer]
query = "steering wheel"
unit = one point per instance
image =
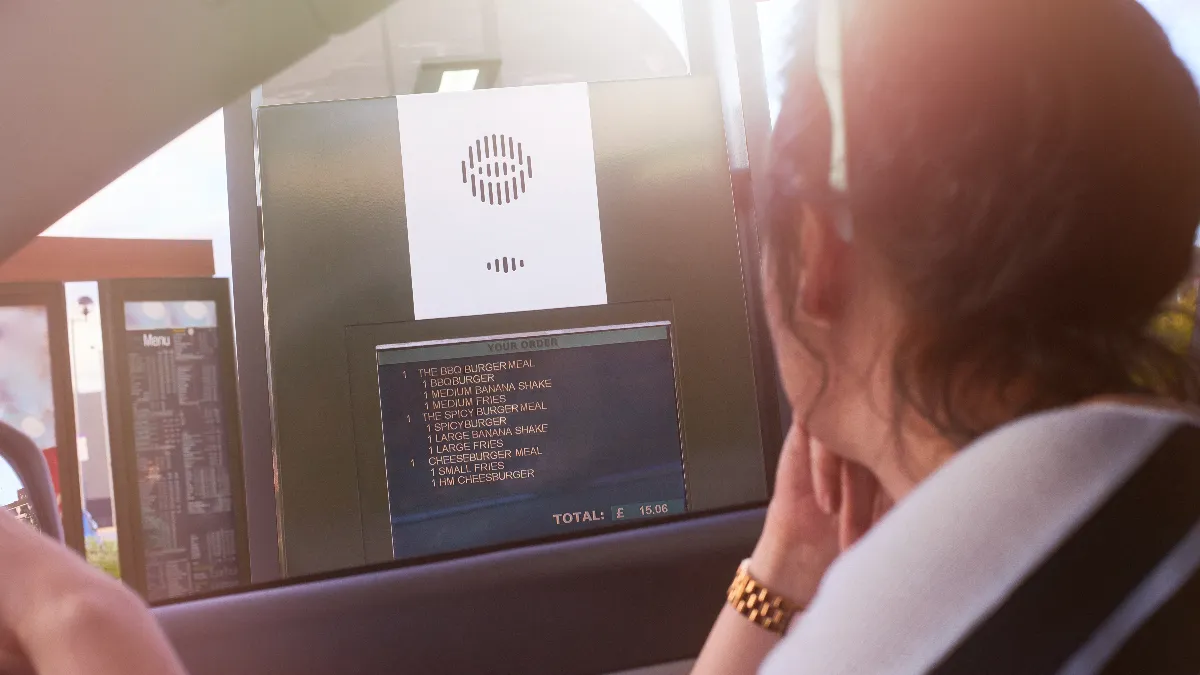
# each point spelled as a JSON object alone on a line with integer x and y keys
{"x": 30, "y": 466}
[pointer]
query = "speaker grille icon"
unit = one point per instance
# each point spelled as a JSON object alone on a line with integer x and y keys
{"x": 505, "y": 265}
{"x": 497, "y": 168}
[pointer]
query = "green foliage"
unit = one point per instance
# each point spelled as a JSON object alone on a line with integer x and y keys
{"x": 103, "y": 554}
{"x": 1175, "y": 326}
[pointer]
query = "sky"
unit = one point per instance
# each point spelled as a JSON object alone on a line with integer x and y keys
{"x": 179, "y": 192}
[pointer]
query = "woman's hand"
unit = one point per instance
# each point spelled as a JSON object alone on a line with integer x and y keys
{"x": 59, "y": 615}
{"x": 821, "y": 506}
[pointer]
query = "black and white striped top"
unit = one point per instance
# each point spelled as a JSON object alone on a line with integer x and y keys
{"x": 1066, "y": 542}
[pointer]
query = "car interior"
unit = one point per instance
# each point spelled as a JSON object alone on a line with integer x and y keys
{"x": 513, "y": 243}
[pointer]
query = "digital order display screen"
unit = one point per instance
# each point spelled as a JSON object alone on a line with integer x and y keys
{"x": 180, "y": 438}
{"x": 494, "y": 440}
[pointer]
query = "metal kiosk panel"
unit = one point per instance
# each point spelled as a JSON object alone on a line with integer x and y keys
{"x": 338, "y": 206}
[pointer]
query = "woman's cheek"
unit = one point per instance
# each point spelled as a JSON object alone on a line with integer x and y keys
{"x": 799, "y": 371}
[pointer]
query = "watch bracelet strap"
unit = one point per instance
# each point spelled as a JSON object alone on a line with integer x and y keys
{"x": 762, "y": 606}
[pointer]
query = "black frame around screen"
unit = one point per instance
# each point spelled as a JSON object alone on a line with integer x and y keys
{"x": 52, "y": 297}
{"x": 599, "y": 328}
{"x": 127, "y": 503}
{"x": 362, "y": 347}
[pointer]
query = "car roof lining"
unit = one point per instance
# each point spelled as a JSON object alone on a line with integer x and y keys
{"x": 91, "y": 88}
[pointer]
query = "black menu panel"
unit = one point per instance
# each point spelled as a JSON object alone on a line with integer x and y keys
{"x": 36, "y": 400}
{"x": 179, "y": 449}
{"x": 508, "y": 438}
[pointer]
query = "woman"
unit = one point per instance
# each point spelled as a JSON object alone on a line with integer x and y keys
{"x": 979, "y": 206}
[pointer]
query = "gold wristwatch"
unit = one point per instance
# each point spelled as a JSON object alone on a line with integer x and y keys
{"x": 758, "y": 603}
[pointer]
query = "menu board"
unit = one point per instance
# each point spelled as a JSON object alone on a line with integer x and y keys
{"x": 26, "y": 385}
{"x": 509, "y": 438}
{"x": 176, "y": 452}
{"x": 36, "y": 398}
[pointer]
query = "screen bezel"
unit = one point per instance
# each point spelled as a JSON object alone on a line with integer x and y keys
{"x": 364, "y": 341}
{"x": 114, "y": 294}
{"x": 53, "y": 299}
{"x": 679, "y": 427}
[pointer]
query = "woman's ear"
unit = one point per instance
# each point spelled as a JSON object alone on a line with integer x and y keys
{"x": 824, "y": 257}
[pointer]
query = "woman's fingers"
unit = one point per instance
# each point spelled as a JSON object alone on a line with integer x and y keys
{"x": 859, "y": 502}
{"x": 12, "y": 659}
{"x": 883, "y": 504}
{"x": 826, "y": 477}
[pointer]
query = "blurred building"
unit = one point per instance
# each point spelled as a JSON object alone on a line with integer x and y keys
{"x": 22, "y": 509}
{"x": 95, "y": 467}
